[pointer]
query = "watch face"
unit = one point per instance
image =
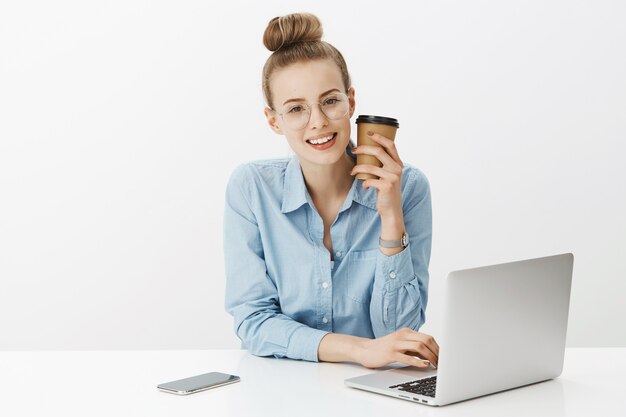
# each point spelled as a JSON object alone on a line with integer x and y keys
{"x": 405, "y": 240}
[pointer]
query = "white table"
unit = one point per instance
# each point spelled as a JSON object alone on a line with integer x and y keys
{"x": 123, "y": 383}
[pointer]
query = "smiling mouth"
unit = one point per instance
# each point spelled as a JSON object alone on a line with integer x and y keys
{"x": 321, "y": 141}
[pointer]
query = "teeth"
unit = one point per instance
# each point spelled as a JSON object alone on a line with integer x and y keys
{"x": 321, "y": 140}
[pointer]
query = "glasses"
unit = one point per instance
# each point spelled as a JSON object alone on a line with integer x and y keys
{"x": 297, "y": 115}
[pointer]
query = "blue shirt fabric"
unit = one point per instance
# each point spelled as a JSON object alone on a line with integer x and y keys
{"x": 282, "y": 289}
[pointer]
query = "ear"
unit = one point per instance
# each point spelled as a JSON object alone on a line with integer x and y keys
{"x": 351, "y": 100}
{"x": 272, "y": 120}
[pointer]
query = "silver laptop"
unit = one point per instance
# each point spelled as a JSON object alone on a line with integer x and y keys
{"x": 504, "y": 326}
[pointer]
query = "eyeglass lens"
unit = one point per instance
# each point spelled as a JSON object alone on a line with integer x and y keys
{"x": 334, "y": 106}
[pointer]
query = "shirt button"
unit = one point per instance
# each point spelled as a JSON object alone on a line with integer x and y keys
{"x": 325, "y": 320}
{"x": 325, "y": 285}
{"x": 392, "y": 275}
{"x": 338, "y": 254}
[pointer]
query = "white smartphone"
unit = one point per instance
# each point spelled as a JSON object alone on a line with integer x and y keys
{"x": 198, "y": 383}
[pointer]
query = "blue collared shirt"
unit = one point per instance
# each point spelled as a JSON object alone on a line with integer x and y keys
{"x": 282, "y": 289}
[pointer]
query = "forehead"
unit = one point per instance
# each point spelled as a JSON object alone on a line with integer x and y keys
{"x": 305, "y": 80}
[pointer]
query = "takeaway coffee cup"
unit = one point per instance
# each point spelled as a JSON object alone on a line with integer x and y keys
{"x": 385, "y": 126}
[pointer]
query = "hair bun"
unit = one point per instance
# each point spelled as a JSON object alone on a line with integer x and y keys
{"x": 285, "y": 30}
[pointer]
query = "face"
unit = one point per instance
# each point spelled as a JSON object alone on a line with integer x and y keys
{"x": 310, "y": 83}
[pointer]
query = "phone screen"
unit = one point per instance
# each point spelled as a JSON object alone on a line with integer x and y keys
{"x": 198, "y": 383}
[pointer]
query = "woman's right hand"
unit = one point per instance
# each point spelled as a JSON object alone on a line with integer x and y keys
{"x": 405, "y": 346}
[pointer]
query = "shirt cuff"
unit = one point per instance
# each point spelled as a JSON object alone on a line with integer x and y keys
{"x": 396, "y": 270}
{"x": 304, "y": 343}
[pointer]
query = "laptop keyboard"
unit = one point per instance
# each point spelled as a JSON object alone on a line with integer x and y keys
{"x": 425, "y": 386}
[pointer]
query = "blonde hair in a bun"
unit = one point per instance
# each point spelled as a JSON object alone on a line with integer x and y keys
{"x": 283, "y": 31}
{"x": 295, "y": 38}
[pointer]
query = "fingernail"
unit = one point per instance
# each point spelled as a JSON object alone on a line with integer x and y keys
{"x": 370, "y": 133}
{"x": 354, "y": 149}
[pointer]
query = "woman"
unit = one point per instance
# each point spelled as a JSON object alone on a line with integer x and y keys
{"x": 306, "y": 278}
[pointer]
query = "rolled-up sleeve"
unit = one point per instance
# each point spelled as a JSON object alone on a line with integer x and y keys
{"x": 400, "y": 292}
{"x": 251, "y": 295}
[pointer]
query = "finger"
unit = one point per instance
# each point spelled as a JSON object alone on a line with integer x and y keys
{"x": 428, "y": 340}
{"x": 377, "y": 151}
{"x": 378, "y": 171}
{"x": 434, "y": 364}
{"x": 436, "y": 346}
{"x": 411, "y": 360}
{"x": 418, "y": 348}
{"x": 388, "y": 144}
{"x": 431, "y": 343}
{"x": 410, "y": 334}
{"x": 380, "y": 185}
{"x": 429, "y": 351}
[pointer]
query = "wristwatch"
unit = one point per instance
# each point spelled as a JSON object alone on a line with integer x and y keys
{"x": 402, "y": 243}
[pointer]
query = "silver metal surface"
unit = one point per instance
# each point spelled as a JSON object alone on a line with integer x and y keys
{"x": 198, "y": 383}
{"x": 504, "y": 327}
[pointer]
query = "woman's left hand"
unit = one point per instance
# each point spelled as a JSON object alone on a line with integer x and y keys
{"x": 389, "y": 184}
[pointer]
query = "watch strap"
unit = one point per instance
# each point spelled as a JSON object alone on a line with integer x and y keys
{"x": 402, "y": 243}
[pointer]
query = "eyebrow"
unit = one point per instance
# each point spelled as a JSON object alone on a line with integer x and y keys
{"x": 321, "y": 95}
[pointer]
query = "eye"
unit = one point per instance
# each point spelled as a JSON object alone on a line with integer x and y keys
{"x": 295, "y": 109}
{"x": 331, "y": 100}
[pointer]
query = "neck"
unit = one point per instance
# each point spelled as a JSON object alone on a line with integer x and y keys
{"x": 328, "y": 182}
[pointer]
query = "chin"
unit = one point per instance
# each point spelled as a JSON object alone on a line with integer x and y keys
{"x": 326, "y": 157}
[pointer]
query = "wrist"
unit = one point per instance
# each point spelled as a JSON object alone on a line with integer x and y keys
{"x": 335, "y": 347}
{"x": 392, "y": 217}
{"x": 392, "y": 227}
{"x": 360, "y": 349}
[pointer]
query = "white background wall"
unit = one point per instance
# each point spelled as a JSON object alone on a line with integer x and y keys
{"x": 120, "y": 122}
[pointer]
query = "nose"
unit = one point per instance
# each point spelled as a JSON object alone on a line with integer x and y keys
{"x": 318, "y": 118}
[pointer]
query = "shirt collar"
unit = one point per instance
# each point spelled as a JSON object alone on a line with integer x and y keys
{"x": 366, "y": 198}
{"x": 295, "y": 193}
{"x": 294, "y": 189}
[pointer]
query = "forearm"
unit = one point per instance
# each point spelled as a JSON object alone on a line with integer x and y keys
{"x": 374, "y": 353}
{"x": 336, "y": 347}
